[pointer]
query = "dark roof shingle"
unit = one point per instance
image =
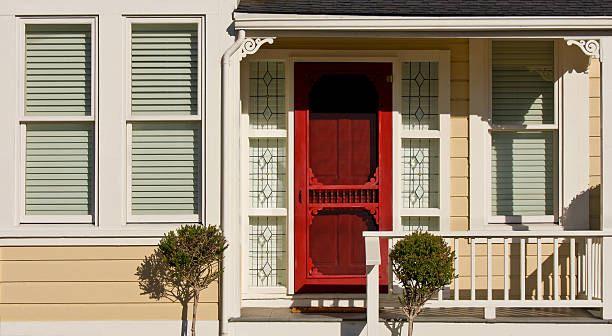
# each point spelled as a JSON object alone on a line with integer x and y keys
{"x": 431, "y": 8}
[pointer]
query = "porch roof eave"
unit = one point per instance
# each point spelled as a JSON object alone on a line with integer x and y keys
{"x": 263, "y": 24}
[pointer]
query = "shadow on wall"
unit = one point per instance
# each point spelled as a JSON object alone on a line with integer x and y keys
{"x": 153, "y": 277}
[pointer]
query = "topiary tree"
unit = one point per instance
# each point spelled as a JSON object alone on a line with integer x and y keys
{"x": 184, "y": 263}
{"x": 423, "y": 264}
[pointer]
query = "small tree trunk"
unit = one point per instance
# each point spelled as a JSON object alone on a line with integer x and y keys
{"x": 410, "y": 320}
{"x": 196, "y": 298}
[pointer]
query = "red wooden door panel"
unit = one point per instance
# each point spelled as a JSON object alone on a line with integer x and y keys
{"x": 342, "y": 171}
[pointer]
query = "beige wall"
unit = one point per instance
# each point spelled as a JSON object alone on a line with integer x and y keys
{"x": 84, "y": 283}
{"x": 594, "y": 143}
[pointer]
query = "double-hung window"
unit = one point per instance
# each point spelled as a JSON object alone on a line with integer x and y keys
{"x": 165, "y": 120}
{"x": 58, "y": 121}
{"x": 524, "y": 132}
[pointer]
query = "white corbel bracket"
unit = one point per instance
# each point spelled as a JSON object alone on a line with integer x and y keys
{"x": 252, "y": 44}
{"x": 588, "y": 47}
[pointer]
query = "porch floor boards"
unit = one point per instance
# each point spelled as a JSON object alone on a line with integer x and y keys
{"x": 450, "y": 315}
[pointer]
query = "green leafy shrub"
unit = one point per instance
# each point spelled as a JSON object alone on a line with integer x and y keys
{"x": 184, "y": 263}
{"x": 423, "y": 263}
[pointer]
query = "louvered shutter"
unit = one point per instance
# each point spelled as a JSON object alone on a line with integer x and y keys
{"x": 522, "y": 171}
{"x": 523, "y": 161}
{"x": 59, "y": 157}
{"x": 523, "y": 82}
{"x": 164, "y": 69}
{"x": 58, "y": 70}
{"x": 165, "y": 168}
{"x": 59, "y": 169}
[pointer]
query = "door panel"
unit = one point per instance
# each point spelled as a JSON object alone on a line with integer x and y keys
{"x": 342, "y": 171}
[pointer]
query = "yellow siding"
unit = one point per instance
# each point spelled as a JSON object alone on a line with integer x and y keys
{"x": 83, "y": 283}
{"x": 594, "y": 143}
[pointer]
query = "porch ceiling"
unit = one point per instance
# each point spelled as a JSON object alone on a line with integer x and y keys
{"x": 432, "y": 8}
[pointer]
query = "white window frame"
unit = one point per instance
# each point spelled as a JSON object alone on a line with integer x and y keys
{"x": 442, "y": 212}
{"x": 130, "y": 120}
{"x": 481, "y": 136}
{"x": 284, "y": 296}
{"x": 24, "y": 119}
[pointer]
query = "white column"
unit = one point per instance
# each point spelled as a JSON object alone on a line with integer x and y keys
{"x": 230, "y": 186}
{"x": 606, "y": 171}
{"x": 372, "y": 250}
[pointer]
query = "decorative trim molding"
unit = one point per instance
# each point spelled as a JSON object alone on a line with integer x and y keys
{"x": 251, "y": 45}
{"x": 588, "y": 47}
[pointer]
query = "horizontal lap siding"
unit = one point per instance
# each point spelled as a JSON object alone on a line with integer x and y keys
{"x": 83, "y": 283}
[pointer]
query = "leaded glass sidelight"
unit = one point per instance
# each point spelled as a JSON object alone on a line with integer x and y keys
{"x": 414, "y": 223}
{"x": 420, "y": 96}
{"x": 267, "y": 251}
{"x": 267, "y": 173}
{"x": 420, "y": 173}
{"x": 267, "y": 95}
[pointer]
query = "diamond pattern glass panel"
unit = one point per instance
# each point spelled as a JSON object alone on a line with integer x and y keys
{"x": 267, "y": 95}
{"x": 267, "y": 251}
{"x": 420, "y": 173}
{"x": 267, "y": 173}
{"x": 420, "y": 223}
{"x": 420, "y": 96}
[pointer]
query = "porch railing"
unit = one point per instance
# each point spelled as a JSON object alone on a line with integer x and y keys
{"x": 578, "y": 269}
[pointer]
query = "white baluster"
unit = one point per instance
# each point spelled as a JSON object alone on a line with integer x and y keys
{"x": 589, "y": 270}
{"x": 457, "y": 268}
{"x": 522, "y": 269}
{"x": 489, "y": 271}
{"x": 473, "y": 269}
{"x": 556, "y": 269}
{"x": 572, "y": 268}
{"x": 506, "y": 270}
{"x": 539, "y": 269}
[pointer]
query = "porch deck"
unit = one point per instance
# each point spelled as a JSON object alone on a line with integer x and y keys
{"x": 440, "y": 315}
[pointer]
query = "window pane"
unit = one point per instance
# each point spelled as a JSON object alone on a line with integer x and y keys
{"x": 267, "y": 95}
{"x": 58, "y": 70}
{"x": 420, "y": 96}
{"x": 522, "y": 173}
{"x": 165, "y": 168}
{"x": 523, "y": 80}
{"x": 267, "y": 251}
{"x": 267, "y": 173}
{"x": 59, "y": 169}
{"x": 165, "y": 69}
{"x": 420, "y": 173}
{"x": 421, "y": 223}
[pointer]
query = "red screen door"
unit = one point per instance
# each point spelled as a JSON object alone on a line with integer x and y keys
{"x": 342, "y": 171}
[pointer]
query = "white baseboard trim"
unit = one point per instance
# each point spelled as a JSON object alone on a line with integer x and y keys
{"x": 105, "y": 328}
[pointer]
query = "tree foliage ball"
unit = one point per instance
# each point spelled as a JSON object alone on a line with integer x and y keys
{"x": 423, "y": 262}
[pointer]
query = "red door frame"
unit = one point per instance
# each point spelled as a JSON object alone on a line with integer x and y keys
{"x": 306, "y": 74}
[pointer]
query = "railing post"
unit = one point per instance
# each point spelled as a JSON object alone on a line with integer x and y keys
{"x": 606, "y": 278}
{"x": 372, "y": 249}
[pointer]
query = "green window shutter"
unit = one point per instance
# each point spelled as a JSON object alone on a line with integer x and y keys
{"x": 59, "y": 169}
{"x": 523, "y": 82}
{"x": 165, "y": 168}
{"x": 522, "y": 173}
{"x": 58, "y": 70}
{"x": 164, "y": 69}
